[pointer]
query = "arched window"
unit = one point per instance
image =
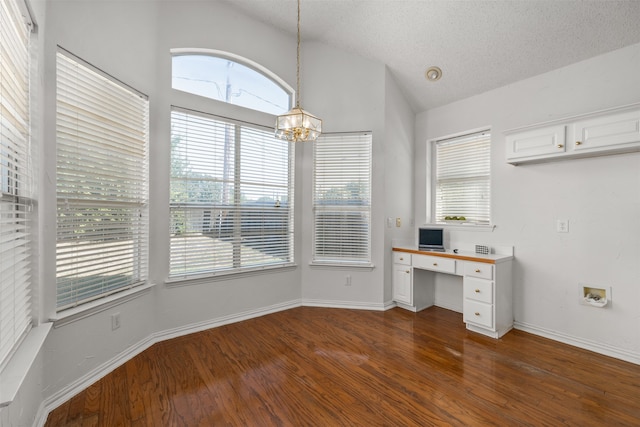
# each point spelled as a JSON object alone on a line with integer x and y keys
{"x": 230, "y": 78}
{"x": 231, "y": 180}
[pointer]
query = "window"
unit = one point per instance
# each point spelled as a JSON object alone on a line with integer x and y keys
{"x": 342, "y": 199}
{"x": 16, "y": 179}
{"x": 220, "y": 76}
{"x": 102, "y": 174}
{"x": 463, "y": 179}
{"x": 231, "y": 196}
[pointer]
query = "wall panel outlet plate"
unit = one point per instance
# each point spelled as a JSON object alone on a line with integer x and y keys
{"x": 595, "y": 296}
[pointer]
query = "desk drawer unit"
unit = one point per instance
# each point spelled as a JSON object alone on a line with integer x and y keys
{"x": 478, "y": 269}
{"x": 434, "y": 263}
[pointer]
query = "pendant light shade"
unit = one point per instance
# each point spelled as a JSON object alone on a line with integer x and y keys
{"x": 298, "y": 125}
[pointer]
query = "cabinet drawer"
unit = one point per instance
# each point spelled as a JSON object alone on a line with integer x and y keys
{"x": 478, "y": 269}
{"x": 402, "y": 258}
{"x": 478, "y": 313}
{"x": 426, "y": 262}
{"x": 478, "y": 290}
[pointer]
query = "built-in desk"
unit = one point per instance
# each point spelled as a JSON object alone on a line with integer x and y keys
{"x": 486, "y": 285}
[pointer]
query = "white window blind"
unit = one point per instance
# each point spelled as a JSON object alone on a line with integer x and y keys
{"x": 231, "y": 196}
{"x": 16, "y": 179}
{"x": 463, "y": 178}
{"x": 342, "y": 198}
{"x": 102, "y": 183}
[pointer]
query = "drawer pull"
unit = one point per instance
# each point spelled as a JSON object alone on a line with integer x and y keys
{"x": 578, "y": 142}
{"x": 477, "y": 291}
{"x": 408, "y": 271}
{"x": 477, "y": 314}
{"x": 560, "y": 145}
{"x": 401, "y": 259}
{"x": 477, "y": 270}
{"x": 435, "y": 264}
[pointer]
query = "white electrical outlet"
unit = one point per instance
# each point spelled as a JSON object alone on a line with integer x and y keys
{"x": 115, "y": 321}
{"x": 562, "y": 226}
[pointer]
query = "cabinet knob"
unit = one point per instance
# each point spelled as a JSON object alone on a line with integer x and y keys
{"x": 578, "y": 142}
{"x": 477, "y": 291}
{"x": 560, "y": 145}
{"x": 435, "y": 264}
{"x": 408, "y": 271}
{"x": 477, "y": 314}
{"x": 401, "y": 259}
{"x": 477, "y": 270}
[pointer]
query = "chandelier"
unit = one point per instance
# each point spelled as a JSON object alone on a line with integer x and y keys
{"x": 297, "y": 125}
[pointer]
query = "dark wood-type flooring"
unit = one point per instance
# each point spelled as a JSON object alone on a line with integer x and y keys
{"x": 335, "y": 367}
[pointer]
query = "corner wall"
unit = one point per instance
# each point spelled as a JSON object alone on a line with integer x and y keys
{"x": 599, "y": 196}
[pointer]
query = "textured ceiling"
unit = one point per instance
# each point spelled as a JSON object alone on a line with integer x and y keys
{"x": 480, "y": 45}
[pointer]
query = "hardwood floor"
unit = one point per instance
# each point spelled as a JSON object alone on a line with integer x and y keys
{"x": 334, "y": 367}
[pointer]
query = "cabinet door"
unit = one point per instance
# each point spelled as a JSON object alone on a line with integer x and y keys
{"x": 536, "y": 143}
{"x": 610, "y": 131}
{"x": 402, "y": 290}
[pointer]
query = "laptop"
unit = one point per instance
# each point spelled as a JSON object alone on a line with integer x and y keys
{"x": 431, "y": 239}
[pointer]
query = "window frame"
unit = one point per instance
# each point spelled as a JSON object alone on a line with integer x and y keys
{"x": 242, "y": 61}
{"x": 432, "y": 181}
{"x": 336, "y": 259}
{"x": 116, "y": 198}
{"x": 17, "y": 187}
{"x": 238, "y": 207}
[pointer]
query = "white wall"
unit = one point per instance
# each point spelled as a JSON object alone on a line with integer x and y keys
{"x": 347, "y": 99}
{"x": 398, "y": 174}
{"x": 131, "y": 41}
{"x": 599, "y": 196}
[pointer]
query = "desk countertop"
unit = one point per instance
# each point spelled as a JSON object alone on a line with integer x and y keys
{"x": 461, "y": 255}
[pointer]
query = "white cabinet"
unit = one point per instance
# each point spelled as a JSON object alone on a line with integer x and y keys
{"x": 478, "y": 305}
{"x": 547, "y": 141}
{"x": 402, "y": 289}
{"x": 612, "y": 131}
{"x": 486, "y": 286}
{"x": 487, "y": 292}
{"x": 606, "y": 132}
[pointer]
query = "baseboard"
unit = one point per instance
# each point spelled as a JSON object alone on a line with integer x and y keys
{"x": 344, "y": 304}
{"x": 224, "y": 320}
{"x": 607, "y": 350}
{"x": 447, "y": 305}
{"x": 86, "y": 380}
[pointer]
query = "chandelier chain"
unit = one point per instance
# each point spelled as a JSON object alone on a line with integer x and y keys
{"x": 298, "y": 61}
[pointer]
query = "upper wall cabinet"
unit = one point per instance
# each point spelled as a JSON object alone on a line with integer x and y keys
{"x": 597, "y": 134}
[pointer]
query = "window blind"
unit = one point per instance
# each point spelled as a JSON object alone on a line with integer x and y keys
{"x": 102, "y": 183}
{"x": 231, "y": 196}
{"x": 342, "y": 198}
{"x": 463, "y": 178}
{"x": 16, "y": 179}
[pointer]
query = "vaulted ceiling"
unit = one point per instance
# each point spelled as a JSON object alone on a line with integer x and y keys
{"x": 480, "y": 45}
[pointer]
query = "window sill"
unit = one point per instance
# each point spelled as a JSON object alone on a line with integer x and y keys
{"x": 227, "y": 275}
{"x": 89, "y": 309}
{"x": 317, "y": 264}
{"x": 469, "y": 227}
{"x": 14, "y": 374}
